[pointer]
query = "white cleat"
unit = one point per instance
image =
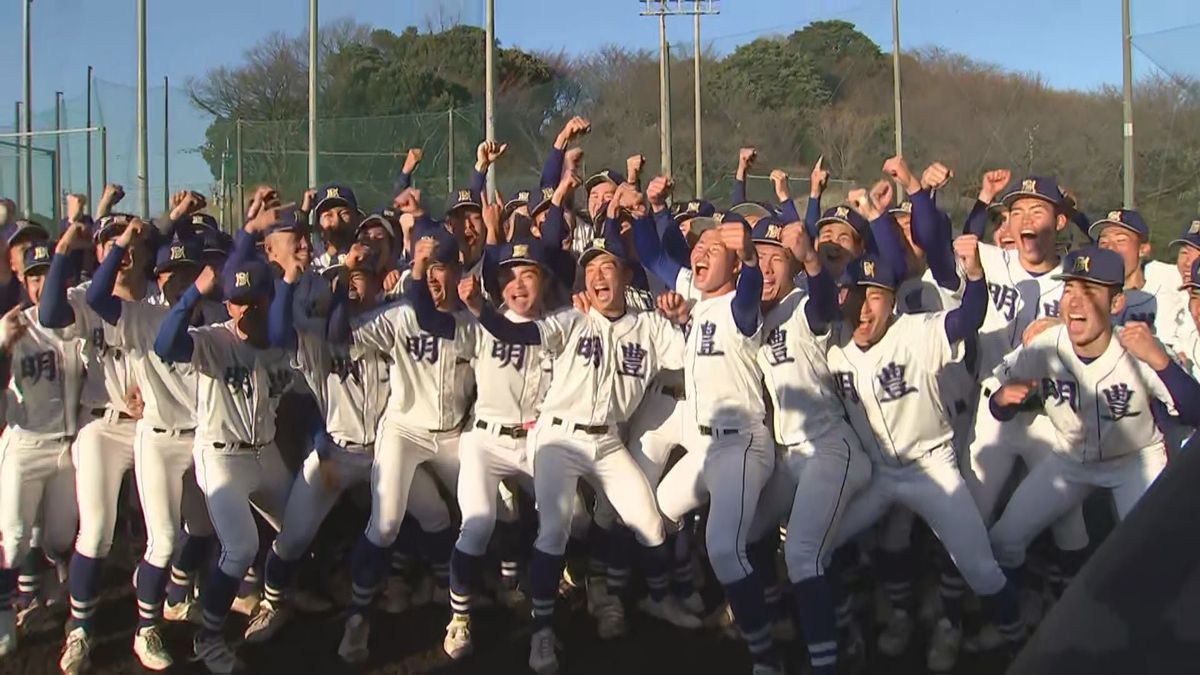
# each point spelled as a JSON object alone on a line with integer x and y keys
{"x": 396, "y": 596}
{"x": 149, "y": 649}
{"x": 8, "y": 632}
{"x": 353, "y": 648}
{"x": 247, "y": 604}
{"x": 542, "y": 659}
{"x": 670, "y": 610}
{"x": 693, "y": 603}
{"x": 894, "y": 639}
{"x": 610, "y": 620}
{"x": 218, "y": 658}
{"x": 987, "y": 639}
{"x": 458, "y": 638}
{"x": 75, "y": 653}
{"x": 188, "y": 611}
{"x": 266, "y": 622}
{"x": 943, "y": 647}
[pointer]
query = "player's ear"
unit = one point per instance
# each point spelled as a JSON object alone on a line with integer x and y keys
{"x": 1144, "y": 250}
{"x": 1060, "y": 221}
{"x": 1118, "y": 303}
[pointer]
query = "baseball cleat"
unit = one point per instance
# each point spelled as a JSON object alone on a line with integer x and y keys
{"x": 894, "y": 639}
{"x": 188, "y": 611}
{"x": 610, "y": 620}
{"x": 247, "y": 604}
{"x": 693, "y": 603}
{"x": 212, "y": 649}
{"x": 396, "y": 596}
{"x": 266, "y": 622}
{"x": 987, "y": 639}
{"x": 670, "y": 610}
{"x": 542, "y": 659}
{"x": 149, "y": 649}
{"x": 75, "y": 653}
{"x": 458, "y": 638}
{"x": 8, "y": 632}
{"x": 353, "y": 648}
{"x": 943, "y": 647}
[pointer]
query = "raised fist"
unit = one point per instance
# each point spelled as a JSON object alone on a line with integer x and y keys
{"x": 818, "y": 179}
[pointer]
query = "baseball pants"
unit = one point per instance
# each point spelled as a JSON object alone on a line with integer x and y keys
{"x": 810, "y": 491}
{"x": 399, "y": 452}
{"x": 487, "y": 459}
{"x": 36, "y": 476}
{"x": 230, "y": 479}
{"x": 103, "y": 452}
{"x": 730, "y": 469}
{"x": 933, "y": 489}
{"x": 563, "y": 455}
{"x": 993, "y": 453}
{"x": 166, "y": 485}
{"x": 311, "y": 499}
{"x": 1059, "y": 484}
{"x": 655, "y": 429}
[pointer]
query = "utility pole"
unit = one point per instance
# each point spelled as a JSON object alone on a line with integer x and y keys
{"x": 1127, "y": 128}
{"x": 27, "y": 195}
{"x": 312, "y": 96}
{"x": 88, "y": 169}
{"x": 143, "y": 139}
{"x": 489, "y": 88}
{"x": 58, "y": 104}
{"x": 899, "y": 109}
{"x": 166, "y": 143}
{"x": 699, "y": 7}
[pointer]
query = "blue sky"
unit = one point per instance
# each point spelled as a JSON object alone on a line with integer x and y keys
{"x": 1071, "y": 43}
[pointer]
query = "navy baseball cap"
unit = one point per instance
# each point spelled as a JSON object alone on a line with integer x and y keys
{"x": 752, "y": 210}
{"x": 1190, "y": 236}
{"x": 871, "y": 270}
{"x": 602, "y": 246}
{"x": 1194, "y": 284}
{"x": 37, "y": 258}
{"x": 604, "y": 176}
{"x": 1094, "y": 265}
{"x": 1127, "y": 218}
{"x": 462, "y": 199}
{"x": 702, "y": 224}
{"x": 692, "y": 208}
{"x": 540, "y": 201}
{"x": 524, "y": 251}
{"x": 111, "y": 226}
{"x": 378, "y": 220}
{"x": 445, "y": 249}
{"x": 178, "y": 253}
{"x": 289, "y": 220}
{"x": 905, "y": 209}
{"x": 767, "y": 231}
{"x": 28, "y": 229}
{"x": 247, "y": 282}
{"x": 215, "y": 242}
{"x": 334, "y": 195}
{"x": 848, "y": 217}
{"x": 515, "y": 202}
{"x": 1039, "y": 187}
{"x": 201, "y": 221}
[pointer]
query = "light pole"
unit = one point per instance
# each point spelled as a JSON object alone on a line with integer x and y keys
{"x": 698, "y": 8}
{"x": 27, "y": 194}
{"x": 489, "y": 88}
{"x": 143, "y": 139}
{"x": 312, "y": 95}
{"x": 1127, "y": 82}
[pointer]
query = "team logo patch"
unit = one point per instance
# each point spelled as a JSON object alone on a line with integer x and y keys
{"x": 1118, "y": 398}
{"x": 1114, "y": 215}
{"x": 333, "y": 193}
{"x": 869, "y": 269}
{"x": 41, "y": 252}
{"x": 1029, "y": 185}
{"x": 774, "y": 232}
{"x": 1061, "y": 391}
{"x": 464, "y": 195}
{"x": 177, "y": 253}
{"x": 1194, "y": 228}
{"x": 241, "y": 279}
{"x": 842, "y": 212}
{"x": 633, "y": 360}
{"x": 509, "y": 355}
{"x": 1083, "y": 264}
{"x": 892, "y": 382}
{"x": 523, "y": 196}
{"x": 777, "y": 347}
{"x": 521, "y": 250}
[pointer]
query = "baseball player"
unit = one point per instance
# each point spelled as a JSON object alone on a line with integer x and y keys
{"x": 823, "y": 462}
{"x": 239, "y": 382}
{"x": 430, "y": 389}
{"x": 1099, "y": 388}
{"x": 42, "y": 402}
{"x": 162, "y": 450}
{"x": 604, "y": 360}
{"x": 886, "y": 368}
{"x": 1022, "y": 290}
{"x": 336, "y": 217}
{"x": 730, "y": 455}
{"x": 103, "y": 450}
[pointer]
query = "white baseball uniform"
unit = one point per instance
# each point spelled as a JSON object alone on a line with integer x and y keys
{"x": 431, "y": 386}
{"x": 730, "y": 453}
{"x": 890, "y": 392}
{"x": 238, "y": 388}
{"x": 1102, "y": 410}
{"x": 1017, "y": 298}
{"x": 103, "y": 450}
{"x": 823, "y": 460}
{"x": 36, "y": 474}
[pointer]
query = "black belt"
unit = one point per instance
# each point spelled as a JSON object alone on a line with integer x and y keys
{"x": 718, "y": 431}
{"x": 510, "y": 430}
{"x": 591, "y": 429}
{"x": 101, "y": 412}
{"x": 237, "y": 446}
{"x": 181, "y": 432}
{"x": 677, "y": 393}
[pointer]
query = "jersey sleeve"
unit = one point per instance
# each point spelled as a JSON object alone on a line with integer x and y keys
{"x": 555, "y": 330}
{"x": 1156, "y": 389}
{"x": 668, "y": 340}
{"x": 938, "y": 349}
{"x": 210, "y": 349}
{"x": 377, "y": 330}
{"x": 1025, "y": 362}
